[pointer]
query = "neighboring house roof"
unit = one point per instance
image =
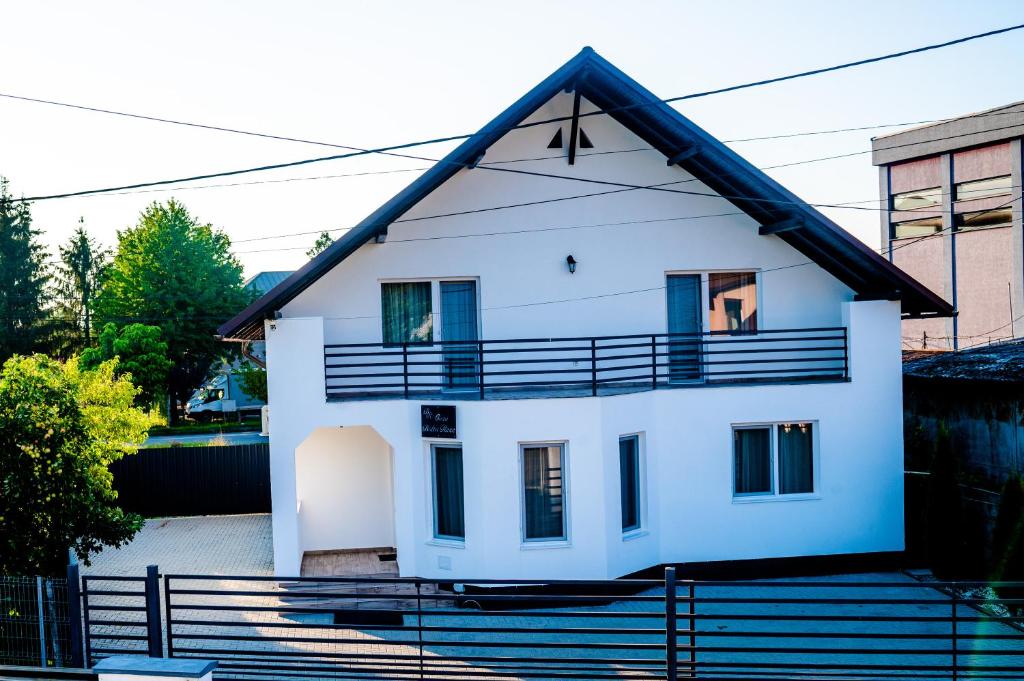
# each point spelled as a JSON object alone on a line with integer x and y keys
{"x": 264, "y": 281}
{"x": 840, "y": 253}
{"x": 998, "y": 363}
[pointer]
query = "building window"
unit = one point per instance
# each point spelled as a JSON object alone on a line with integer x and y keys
{"x": 982, "y": 219}
{"x": 732, "y": 300}
{"x": 543, "y": 492}
{"x": 918, "y": 199}
{"x": 406, "y": 312}
{"x": 629, "y": 481}
{"x": 449, "y": 506}
{"x": 916, "y": 228}
{"x": 752, "y": 451}
{"x": 796, "y": 458}
{"x": 773, "y": 460}
{"x": 982, "y": 189}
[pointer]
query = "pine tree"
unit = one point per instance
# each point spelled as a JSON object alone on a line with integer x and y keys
{"x": 77, "y": 283}
{"x": 23, "y": 279}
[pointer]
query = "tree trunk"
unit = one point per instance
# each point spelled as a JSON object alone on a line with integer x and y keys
{"x": 172, "y": 407}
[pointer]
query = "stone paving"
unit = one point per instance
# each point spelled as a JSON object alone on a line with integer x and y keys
{"x": 311, "y": 645}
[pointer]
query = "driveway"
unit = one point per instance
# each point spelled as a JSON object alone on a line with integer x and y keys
{"x": 246, "y": 438}
{"x": 223, "y": 545}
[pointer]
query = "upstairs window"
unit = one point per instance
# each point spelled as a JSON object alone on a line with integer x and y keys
{"x": 732, "y": 300}
{"x": 981, "y": 189}
{"x": 917, "y": 199}
{"x": 406, "y": 312}
{"x": 916, "y": 228}
{"x": 996, "y": 217}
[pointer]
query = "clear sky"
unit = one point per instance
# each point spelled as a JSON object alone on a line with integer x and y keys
{"x": 374, "y": 74}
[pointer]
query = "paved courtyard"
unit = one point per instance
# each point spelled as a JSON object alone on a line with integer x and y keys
{"x": 881, "y": 616}
{"x": 223, "y": 545}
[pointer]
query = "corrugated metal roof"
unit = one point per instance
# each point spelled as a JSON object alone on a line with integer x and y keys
{"x": 818, "y": 238}
{"x": 264, "y": 281}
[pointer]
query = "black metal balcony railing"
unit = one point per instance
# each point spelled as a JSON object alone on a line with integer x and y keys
{"x": 599, "y": 365}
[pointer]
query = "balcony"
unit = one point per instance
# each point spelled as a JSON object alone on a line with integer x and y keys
{"x": 583, "y": 366}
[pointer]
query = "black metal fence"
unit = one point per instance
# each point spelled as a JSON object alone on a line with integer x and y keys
{"x": 217, "y": 480}
{"x": 595, "y": 365}
{"x": 348, "y": 628}
{"x": 40, "y": 621}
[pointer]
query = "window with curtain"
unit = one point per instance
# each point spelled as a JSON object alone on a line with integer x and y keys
{"x": 753, "y": 460}
{"x": 796, "y": 458}
{"x": 732, "y": 300}
{"x": 629, "y": 481}
{"x": 543, "y": 492}
{"x": 449, "y": 507}
{"x": 774, "y": 459}
{"x": 406, "y": 312}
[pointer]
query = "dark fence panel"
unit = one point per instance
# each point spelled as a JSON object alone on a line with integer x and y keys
{"x": 34, "y": 621}
{"x": 170, "y": 481}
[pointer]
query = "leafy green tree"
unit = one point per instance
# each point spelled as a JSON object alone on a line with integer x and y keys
{"x": 23, "y": 279}
{"x": 141, "y": 354}
{"x": 174, "y": 272}
{"x": 253, "y": 380}
{"x": 77, "y": 282}
{"x": 60, "y": 427}
{"x": 320, "y": 245}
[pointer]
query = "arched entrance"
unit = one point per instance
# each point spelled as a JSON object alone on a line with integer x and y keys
{"x": 343, "y": 483}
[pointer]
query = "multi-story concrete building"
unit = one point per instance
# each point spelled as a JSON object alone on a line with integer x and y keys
{"x": 952, "y": 193}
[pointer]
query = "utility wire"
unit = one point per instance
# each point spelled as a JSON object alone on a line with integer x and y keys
{"x": 386, "y": 150}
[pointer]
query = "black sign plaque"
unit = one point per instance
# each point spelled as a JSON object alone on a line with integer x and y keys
{"x": 438, "y": 420}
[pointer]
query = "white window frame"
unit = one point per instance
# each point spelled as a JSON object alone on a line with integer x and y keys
{"x": 773, "y": 435}
{"x": 435, "y": 302}
{"x": 641, "y": 484}
{"x": 705, "y": 293}
{"x": 554, "y": 542}
{"x": 431, "y": 500}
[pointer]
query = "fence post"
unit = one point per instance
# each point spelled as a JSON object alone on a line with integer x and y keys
{"x": 654, "y": 362}
{"x": 42, "y": 621}
{"x": 167, "y": 615}
{"x": 693, "y": 631}
{"x": 419, "y": 623}
{"x": 480, "y": 349}
{"x": 405, "y": 369}
{"x": 953, "y": 623}
{"x": 593, "y": 367}
{"x": 671, "y": 653}
{"x": 77, "y": 658}
{"x": 153, "y": 633}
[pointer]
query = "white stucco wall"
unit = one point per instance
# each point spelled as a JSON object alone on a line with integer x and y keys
{"x": 691, "y": 514}
{"x": 528, "y": 265}
{"x": 343, "y": 484}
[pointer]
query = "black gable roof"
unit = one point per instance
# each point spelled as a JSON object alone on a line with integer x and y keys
{"x": 867, "y": 273}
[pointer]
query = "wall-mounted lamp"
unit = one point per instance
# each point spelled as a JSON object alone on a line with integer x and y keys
{"x": 571, "y": 262}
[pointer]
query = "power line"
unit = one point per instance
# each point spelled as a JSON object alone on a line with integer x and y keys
{"x": 683, "y": 181}
{"x": 387, "y": 150}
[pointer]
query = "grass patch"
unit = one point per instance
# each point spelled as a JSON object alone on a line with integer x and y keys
{"x": 199, "y": 428}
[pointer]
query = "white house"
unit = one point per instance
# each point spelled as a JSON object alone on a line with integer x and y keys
{"x": 590, "y": 340}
